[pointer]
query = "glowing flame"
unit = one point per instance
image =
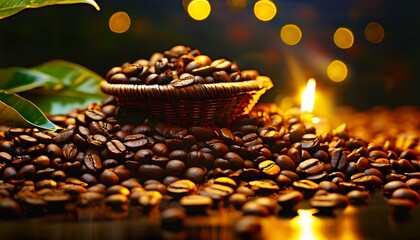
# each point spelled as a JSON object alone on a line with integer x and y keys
{"x": 308, "y": 96}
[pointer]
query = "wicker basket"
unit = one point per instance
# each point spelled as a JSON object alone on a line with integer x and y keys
{"x": 196, "y": 105}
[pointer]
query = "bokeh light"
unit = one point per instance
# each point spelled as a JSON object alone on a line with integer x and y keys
{"x": 290, "y": 34}
{"x": 265, "y": 10}
{"x": 119, "y": 22}
{"x": 337, "y": 71}
{"x": 236, "y": 4}
{"x": 199, "y": 9}
{"x": 343, "y": 38}
{"x": 374, "y": 32}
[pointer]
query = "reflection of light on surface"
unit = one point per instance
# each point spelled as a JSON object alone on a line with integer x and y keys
{"x": 374, "y": 32}
{"x": 305, "y": 225}
{"x": 265, "y": 10}
{"x": 236, "y": 4}
{"x": 348, "y": 225}
{"x": 337, "y": 71}
{"x": 343, "y": 38}
{"x": 199, "y": 9}
{"x": 290, "y": 34}
{"x": 119, "y": 22}
{"x": 308, "y": 96}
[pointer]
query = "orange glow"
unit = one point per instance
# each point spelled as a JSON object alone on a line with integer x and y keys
{"x": 308, "y": 96}
{"x": 119, "y": 22}
{"x": 374, "y": 32}
{"x": 343, "y": 38}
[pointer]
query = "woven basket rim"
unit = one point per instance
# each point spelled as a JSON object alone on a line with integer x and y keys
{"x": 209, "y": 90}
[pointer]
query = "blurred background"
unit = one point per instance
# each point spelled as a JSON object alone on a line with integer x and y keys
{"x": 361, "y": 53}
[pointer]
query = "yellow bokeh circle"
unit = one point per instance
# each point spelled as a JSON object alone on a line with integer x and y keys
{"x": 290, "y": 34}
{"x": 199, "y": 9}
{"x": 265, "y": 10}
{"x": 337, "y": 71}
{"x": 343, "y": 38}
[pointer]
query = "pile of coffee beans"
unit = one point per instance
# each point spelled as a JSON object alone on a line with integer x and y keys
{"x": 179, "y": 66}
{"x": 264, "y": 164}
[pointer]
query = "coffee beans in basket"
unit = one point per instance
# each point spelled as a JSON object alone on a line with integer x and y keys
{"x": 179, "y": 66}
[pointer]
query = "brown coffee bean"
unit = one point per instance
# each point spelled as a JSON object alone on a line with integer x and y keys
{"x": 93, "y": 161}
{"x": 338, "y": 159}
{"x": 181, "y": 188}
{"x": 70, "y": 151}
{"x": 269, "y": 168}
{"x": 108, "y": 178}
{"x": 137, "y": 141}
{"x": 311, "y": 166}
{"x": 329, "y": 202}
{"x": 115, "y": 148}
{"x": 288, "y": 200}
{"x": 307, "y": 187}
{"x": 64, "y": 136}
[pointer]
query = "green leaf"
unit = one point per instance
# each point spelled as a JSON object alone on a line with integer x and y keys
{"x": 70, "y": 85}
{"x": 10, "y": 7}
{"x": 18, "y": 79}
{"x": 19, "y": 112}
{"x": 56, "y": 86}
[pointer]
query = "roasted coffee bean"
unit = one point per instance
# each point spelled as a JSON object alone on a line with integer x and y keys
{"x": 285, "y": 163}
{"x": 269, "y": 168}
{"x": 115, "y": 148}
{"x": 151, "y": 79}
{"x": 9, "y": 209}
{"x": 310, "y": 166}
{"x": 97, "y": 140}
{"x": 64, "y": 136}
{"x": 401, "y": 207}
{"x": 93, "y": 161}
{"x": 136, "y": 141}
{"x": 329, "y": 202}
{"x": 149, "y": 200}
{"x": 309, "y": 142}
{"x": 414, "y": 184}
{"x": 94, "y": 115}
{"x": 70, "y": 151}
{"x": 406, "y": 193}
{"x": 196, "y": 204}
{"x": 173, "y": 219}
{"x": 264, "y": 187}
{"x": 181, "y": 188}
{"x": 390, "y": 187}
{"x": 108, "y": 178}
{"x": 289, "y": 199}
{"x": 328, "y": 186}
{"x": 357, "y": 197}
{"x": 195, "y": 174}
{"x": 117, "y": 201}
{"x": 255, "y": 209}
{"x": 237, "y": 200}
{"x": 368, "y": 181}
{"x": 307, "y": 187}
{"x": 175, "y": 168}
{"x": 338, "y": 159}
{"x": 41, "y": 162}
{"x": 151, "y": 171}
{"x": 249, "y": 227}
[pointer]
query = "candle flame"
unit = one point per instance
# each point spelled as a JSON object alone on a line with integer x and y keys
{"x": 308, "y": 96}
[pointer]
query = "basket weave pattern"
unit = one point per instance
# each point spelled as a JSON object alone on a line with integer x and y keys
{"x": 198, "y": 105}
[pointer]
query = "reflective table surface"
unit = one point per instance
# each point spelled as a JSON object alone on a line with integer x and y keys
{"x": 374, "y": 220}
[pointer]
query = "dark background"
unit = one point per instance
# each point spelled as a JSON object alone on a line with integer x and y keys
{"x": 385, "y": 73}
